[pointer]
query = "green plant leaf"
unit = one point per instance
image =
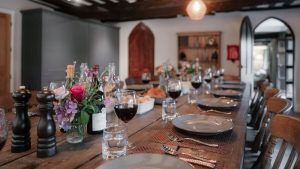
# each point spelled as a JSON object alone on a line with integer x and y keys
{"x": 84, "y": 117}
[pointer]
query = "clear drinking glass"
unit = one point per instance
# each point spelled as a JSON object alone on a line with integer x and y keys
{"x": 168, "y": 109}
{"x": 114, "y": 142}
{"x": 3, "y": 128}
{"x": 126, "y": 106}
{"x": 58, "y": 89}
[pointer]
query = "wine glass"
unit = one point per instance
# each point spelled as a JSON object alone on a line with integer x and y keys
{"x": 174, "y": 88}
{"x": 216, "y": 75}
{"x": 196, "y": 80}
{"x": 3, "y": 128}
{"x": 222, "y": 71}
{"x": 207, "y": 79}
{"x": 126, "y": 107}
{"x": 58, "y": 89}
{"x": 146, "y": 77}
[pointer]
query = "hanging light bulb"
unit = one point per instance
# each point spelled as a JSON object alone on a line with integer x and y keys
{"x": 196, "y": 9}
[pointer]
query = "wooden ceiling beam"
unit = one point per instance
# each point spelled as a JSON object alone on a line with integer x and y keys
{"x": 148, "y": 9}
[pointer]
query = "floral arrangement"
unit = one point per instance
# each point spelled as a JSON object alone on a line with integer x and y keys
{"x": 190, "y": 68}
{"x": 80, "y": 99}
{"x": 165, "y": 68}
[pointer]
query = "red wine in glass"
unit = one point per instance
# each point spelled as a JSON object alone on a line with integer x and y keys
{"x": 207, "y": 80}
{"x": 174, "y": 94}
{"x": 196, "y": 85}
{"x": 216, "y": 76}
{"x": 126, "y": 112}
{"x": 145, "y": 81}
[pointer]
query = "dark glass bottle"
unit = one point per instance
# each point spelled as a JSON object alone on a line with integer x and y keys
{"x": 46, "y": 146}
{"x": 21, "y": 125}
{"x": 97, "y": 120}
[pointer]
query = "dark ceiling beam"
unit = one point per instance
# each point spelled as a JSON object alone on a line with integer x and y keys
{"x": 288, "y": 2}
{"x": 149, "y": 9}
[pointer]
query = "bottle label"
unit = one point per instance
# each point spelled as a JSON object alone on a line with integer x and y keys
{"x": 99, "y": 121}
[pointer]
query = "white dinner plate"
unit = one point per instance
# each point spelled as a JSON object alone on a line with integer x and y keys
{"x": 146, "y": 161}
{"x": 227, "y": 93}
{"x": 203, "y": 124}
{"x": 222, "y": 104}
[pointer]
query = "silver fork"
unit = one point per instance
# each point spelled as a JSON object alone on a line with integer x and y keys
{"x": 179, "y": 139}
{"x": 199, "y": 161}
{"x": 217, "y": 111}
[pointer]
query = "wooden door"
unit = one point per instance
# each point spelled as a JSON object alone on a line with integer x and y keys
{"x": 246, "y": 50}
{"x": 5, "y": 21}
{"x": 141, "y": 51}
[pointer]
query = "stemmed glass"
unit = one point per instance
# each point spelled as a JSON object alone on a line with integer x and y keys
{"x": 196, "y": 80}
{"x": 126, "y": 107}
{"x": 207, "y": 79}
{"x": 174, "y": 89}
{"x": 58, "y": 88}
{"x": 3, "y": 128}
{"x": 216, "y": 75}
{"x": 222, "y": 71}
{"x": 196, "y": 83}
{"x": 146, "y": 77}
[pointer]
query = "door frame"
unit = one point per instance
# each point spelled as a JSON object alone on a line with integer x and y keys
{"x": 294, "y": 45}
{"x": 14, "y": 69}
{"x": 248, "y": 65}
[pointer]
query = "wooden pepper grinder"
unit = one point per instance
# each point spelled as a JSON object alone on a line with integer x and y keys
{"x": 21, "y": 125}
{"x": 46, "y": 128}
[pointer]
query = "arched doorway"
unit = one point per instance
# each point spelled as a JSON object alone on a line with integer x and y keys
{"x": 141, "y": 51}
{"x": 273, "y": 54}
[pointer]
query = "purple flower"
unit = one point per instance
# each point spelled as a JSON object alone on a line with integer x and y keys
{"x": 65, "y": 113}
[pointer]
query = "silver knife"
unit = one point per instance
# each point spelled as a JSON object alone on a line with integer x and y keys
{"x": 198, "y": 162}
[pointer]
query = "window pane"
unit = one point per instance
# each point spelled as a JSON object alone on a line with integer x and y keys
{"x": 290, "y": 59}
{"x": 290, "y": 45}
{"x": 289, "y": 90}
{"x": 289, "y": 74}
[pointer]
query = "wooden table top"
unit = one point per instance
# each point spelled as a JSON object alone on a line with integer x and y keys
{"x": 140, "y": 130}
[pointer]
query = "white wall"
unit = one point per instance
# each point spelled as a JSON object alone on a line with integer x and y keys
{"x": 165, "y": 30}
{"x": 14, "y": 7}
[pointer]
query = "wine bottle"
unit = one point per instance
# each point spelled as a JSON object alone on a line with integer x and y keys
{"x": 97, "y": 121}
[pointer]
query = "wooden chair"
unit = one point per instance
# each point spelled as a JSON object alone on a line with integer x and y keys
{"x": 261, "y": 85}
{"x": 285, "y": 128}
{"x": 274, "y": 106}
{"x": 258, "y": 116}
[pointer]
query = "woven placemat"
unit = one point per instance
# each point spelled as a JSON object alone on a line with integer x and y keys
{"x": 161, "y": 136}
{"x": 156, "y": 149}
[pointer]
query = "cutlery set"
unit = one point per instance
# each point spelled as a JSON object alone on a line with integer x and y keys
{"x": 195, "y": 159}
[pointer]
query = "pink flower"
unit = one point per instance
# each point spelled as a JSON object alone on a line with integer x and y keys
{"x": 77, "y": 92}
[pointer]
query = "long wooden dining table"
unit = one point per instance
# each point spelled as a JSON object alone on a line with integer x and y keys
{"x": 147, "y": 131}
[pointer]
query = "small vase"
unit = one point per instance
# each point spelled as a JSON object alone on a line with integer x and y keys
{"x": 75, "y": 134}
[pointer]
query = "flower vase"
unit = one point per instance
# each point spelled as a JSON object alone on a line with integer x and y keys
{"x": 75, "y": 134}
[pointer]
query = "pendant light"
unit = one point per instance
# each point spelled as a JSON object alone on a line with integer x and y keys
{"x": 196, "y": 9}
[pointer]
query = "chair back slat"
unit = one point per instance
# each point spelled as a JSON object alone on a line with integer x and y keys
{"x": 287, "y": 128}
{"x": 280, "y": 155}
{"x": 291, "y": 159}
{"x": 278, "y": 105}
